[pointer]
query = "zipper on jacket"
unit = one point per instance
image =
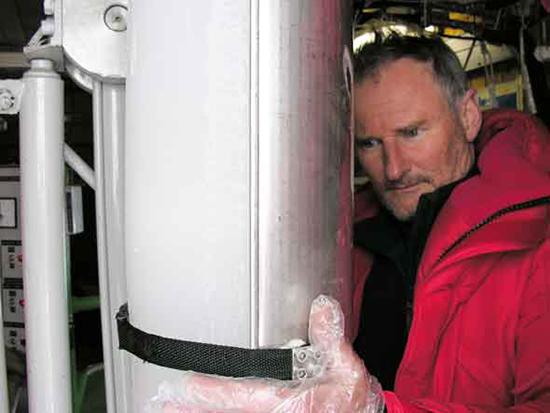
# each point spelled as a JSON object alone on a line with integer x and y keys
{"x": 512, "y": 208}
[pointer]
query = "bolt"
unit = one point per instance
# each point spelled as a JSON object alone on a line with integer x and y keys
{"x": 301, "y": 356}
{"x": 301, "y": 374}
{"x": 115, "y": 18}
{"x": 7, "y": 100}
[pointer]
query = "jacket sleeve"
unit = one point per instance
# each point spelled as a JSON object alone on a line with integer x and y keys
{"x": 531, "y": 391}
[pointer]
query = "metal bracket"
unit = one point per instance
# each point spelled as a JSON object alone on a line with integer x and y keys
{"x": 85, "y": 37}
{"x": 46, "y": 42}
{"x": 94, "y": 37}
{"x": 307, "y": 362}
{"x": 10, "y": 96}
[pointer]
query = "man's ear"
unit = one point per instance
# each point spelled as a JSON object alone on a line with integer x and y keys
{"x": 470, "y": 115}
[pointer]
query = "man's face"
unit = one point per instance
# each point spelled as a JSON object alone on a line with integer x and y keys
{"x": 409, "y": 141}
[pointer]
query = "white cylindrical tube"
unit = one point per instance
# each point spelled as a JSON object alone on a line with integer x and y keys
{"x": 43, "y": 238}
{"x": 237, "y": 170}
{"x": 105, "y": 302}
{"x": 113, "y": 186}
{"x": 4, "y": 401}
{"x": 108, "y": 108}
{"x": 79, "y": 166}
{"x": 187, "y": 169}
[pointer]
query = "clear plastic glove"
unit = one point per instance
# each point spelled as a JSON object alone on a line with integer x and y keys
{"x": 343, "y": 386}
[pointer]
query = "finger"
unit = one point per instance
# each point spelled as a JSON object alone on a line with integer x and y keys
{"x": 326, "y": 331}
{"x": 326, "y": 323}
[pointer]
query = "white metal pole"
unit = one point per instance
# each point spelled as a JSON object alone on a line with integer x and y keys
{"x": 237, "y": 170}
{"x": 4, "y": 401}
{"x": 43, "y": 238}
{"x": 79, "y": 166}
{"x": 114, "y": 97}
{"x": 108, "y": 155}
{"x": 105, "y": 302}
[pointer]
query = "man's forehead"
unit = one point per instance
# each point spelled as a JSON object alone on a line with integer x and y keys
{"x": 400, "y": 96}
{"x": 398, "y": 84}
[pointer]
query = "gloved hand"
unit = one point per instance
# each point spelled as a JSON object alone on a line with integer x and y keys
{"x": 343, "y": 386}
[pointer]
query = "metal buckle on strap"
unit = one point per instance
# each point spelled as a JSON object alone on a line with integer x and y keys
{"x": 307, "y": 363}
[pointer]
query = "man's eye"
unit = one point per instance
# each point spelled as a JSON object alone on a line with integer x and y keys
{"x": 410, "y": 132}
{"x": 367, "y": 143}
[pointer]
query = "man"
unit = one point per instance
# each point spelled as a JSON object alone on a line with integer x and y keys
{"x": 457, "y": 256}
{"x": 467, "y": 236}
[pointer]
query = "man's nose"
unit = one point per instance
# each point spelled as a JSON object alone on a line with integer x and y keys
{"x": 395, "y": 163}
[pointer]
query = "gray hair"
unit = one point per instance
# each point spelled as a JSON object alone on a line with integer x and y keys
{"x": 448, "y": 71}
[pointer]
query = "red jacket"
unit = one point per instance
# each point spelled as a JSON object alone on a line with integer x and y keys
{"x": 480, "y": 335}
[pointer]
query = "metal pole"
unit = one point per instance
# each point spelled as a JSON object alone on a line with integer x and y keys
{"x": 4, "y": 401}
{"x": 108, "y": 106}
{"x": 281, "y": 173}
{"x": 43, "y": 238}
{"x": 79, "y": 166}
{"x": 113, "y": 186}
{"x": 105, "y": 304}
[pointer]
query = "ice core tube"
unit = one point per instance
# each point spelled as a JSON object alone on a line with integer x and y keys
{"x": 237, "y": 170}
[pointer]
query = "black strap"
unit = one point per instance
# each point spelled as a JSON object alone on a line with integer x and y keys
{"x": 202, "y": 357}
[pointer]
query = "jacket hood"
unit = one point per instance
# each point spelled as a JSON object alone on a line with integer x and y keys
{"x": 497, "y": 210}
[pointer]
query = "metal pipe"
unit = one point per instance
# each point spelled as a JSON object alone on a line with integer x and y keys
{"x": 465, "y": 66}
{"x": 527, "y": 89}
{"x": 108, "y": 155}
{"x": 489, "y": 74}
{"x": 105, "y": 304}
{"x": 43, "y": 238}
{"x": 4, "y": 401}
{"x": 79, "y": 166}
{"x": 113, "y": 106}
{"x": 284, "y": 234}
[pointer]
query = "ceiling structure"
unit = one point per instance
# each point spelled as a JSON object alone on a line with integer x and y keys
{"x": 497, "y": 21}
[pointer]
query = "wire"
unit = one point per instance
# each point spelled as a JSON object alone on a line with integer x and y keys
{"x": 425, "y": 14}
{"x": 489, "y": 74}
{"x": 497, "y": 21}
{"x": 469, "y": 54}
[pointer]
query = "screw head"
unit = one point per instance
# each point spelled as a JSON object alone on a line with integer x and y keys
{"x": 7, "y": 100}
{"x": 115, "y": 17}
{"x": 301, "y": 356}
{"x": 301, "y": 374}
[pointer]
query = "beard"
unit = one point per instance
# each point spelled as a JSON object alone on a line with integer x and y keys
{"x": 403, "y": 206}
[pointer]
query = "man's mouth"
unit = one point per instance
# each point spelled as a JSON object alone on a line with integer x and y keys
{"x": 403, "y": 188}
